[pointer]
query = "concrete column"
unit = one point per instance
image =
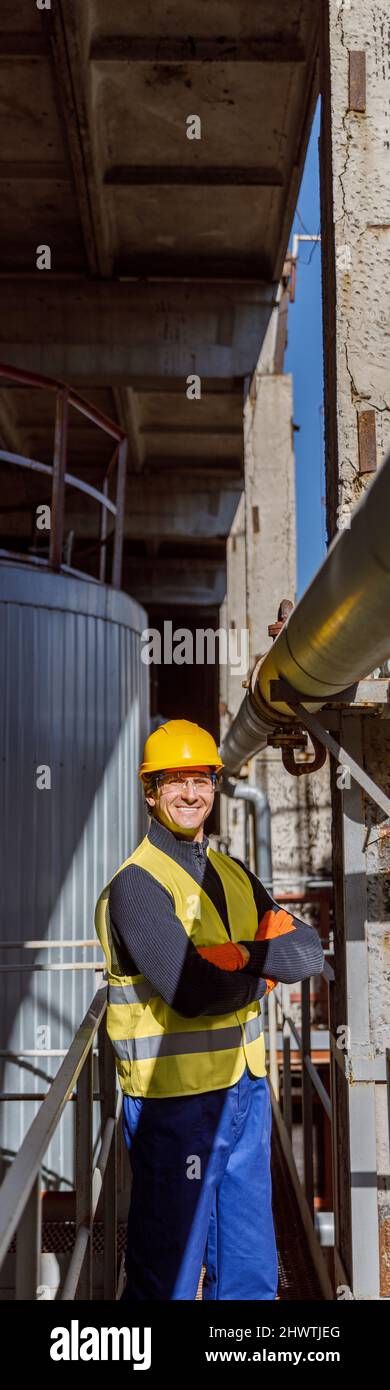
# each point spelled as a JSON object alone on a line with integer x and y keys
{"x": 270, "y": 503}
{"x": 261, "y": 570}
{"x": 300, "y": 807}
{"x": 355, "y": 197}
{"x": 233, "y": 619}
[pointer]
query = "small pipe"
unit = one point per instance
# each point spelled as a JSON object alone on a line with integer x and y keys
{"x": 258, "y": 800}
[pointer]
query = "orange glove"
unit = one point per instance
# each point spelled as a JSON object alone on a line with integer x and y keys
{"x": 274, "y": 923}
{"x": 227, "y": 956}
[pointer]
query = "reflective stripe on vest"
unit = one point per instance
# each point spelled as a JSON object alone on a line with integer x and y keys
{"x": 170, "y": 1044}
{"x": 159, "y": 1052}
{"x": 130, "y": 994}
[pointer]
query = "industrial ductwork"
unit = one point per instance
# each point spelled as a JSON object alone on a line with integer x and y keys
{"x": 338, "y": 633}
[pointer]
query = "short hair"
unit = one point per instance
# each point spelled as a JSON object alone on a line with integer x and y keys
{"x": 149, "y": 785}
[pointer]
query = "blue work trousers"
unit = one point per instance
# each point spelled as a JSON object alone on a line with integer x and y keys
{"x": 201, "y": 1194}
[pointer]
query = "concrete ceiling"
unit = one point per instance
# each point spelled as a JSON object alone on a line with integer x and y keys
{"x": 166, "y": 252}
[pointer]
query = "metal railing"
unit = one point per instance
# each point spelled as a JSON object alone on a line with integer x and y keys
{"x": 20, "y": 1194}
{"x": 279, "y": 1015}
{"x": 60, "y": 478}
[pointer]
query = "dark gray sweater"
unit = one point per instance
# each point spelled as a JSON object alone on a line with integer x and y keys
{"x": 150, "y": 939}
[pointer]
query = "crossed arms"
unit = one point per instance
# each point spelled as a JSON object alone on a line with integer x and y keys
{"x": 151, "y": 940}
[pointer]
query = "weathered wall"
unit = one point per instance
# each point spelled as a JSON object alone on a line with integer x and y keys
{"x": 355, "y": 196}
{"x": 355, "y": 178}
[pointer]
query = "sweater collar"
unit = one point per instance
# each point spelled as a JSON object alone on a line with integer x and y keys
{"x": 181, "y": 849}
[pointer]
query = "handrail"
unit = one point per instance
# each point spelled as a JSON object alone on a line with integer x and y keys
{"x": 20, "y": 1204}
{"x": 66, "y": 397}
{"x": 283, "y": 1115}
{"x": 310, "y": 1072}
{"x": 23, "y": 462}
{"x": 48, "y": 383}
{"x": 99, "y": 964}
{"x": 20, "y": 1194}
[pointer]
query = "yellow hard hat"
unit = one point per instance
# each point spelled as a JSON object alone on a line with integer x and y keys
{"x": 179, "y": 744}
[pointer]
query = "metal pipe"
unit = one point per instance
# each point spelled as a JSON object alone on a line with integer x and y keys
{"x": 259, "y": 802}
{"x": 338, "y": 632}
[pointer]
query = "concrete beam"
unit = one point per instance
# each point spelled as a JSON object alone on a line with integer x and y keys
{"x": 123, "y": 48}
{"x": 201, "y": 176}
{"x": 178, "y": 509}
{"x": 309, "y": 100}
{"x": 20, "y": 45}
{"x": 71, "y": 89}
{"x": 126, "y": 407}
{"x": 213, "y": 389}
{"x": 169, "y": 583}
{"x": 189, "y": 467}
{"x": 38, "y": 171}
{"x": 201, "y": 431}
{"x": 112, "y": 334}
{"x": 12, "y": 434}
{"x": 163, "y": 265}
{"x": 175, "y": 509}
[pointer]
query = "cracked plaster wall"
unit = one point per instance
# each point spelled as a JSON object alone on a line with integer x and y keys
{"x": 356, "y": 213}
{"x": 355, "y": 207}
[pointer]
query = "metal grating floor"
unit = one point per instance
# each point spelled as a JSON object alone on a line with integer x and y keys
{"x": 298, "y": 1279}
{"x": 59, "y": 1237}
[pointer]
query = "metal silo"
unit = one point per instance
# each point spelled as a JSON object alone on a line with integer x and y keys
{"x": 74, "y": 714}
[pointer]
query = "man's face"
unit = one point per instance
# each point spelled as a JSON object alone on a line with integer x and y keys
{"x": 183, "y": 800}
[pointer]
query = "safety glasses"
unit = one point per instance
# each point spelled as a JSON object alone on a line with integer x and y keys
{"x": 201, "y": 781}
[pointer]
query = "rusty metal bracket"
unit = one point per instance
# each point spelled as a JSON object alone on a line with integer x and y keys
{"x": 300, "y": 769}
{"x": 290, "y": 739}
{"x": 284, "y": 610}
{"x": 342, "y": 756}
{"x": 287, "y": 738}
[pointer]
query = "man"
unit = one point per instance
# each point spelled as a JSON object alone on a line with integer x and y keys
{"x": 193, "y": 941}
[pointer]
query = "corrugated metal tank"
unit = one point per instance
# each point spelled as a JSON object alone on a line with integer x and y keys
{"x": 74, "y": 698}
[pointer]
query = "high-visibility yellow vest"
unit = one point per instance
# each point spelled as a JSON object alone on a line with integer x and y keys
{"x": 159, "y": 1052}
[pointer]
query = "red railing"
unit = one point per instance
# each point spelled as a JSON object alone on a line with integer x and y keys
{"x": 65, "y": 398}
